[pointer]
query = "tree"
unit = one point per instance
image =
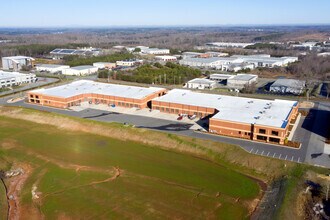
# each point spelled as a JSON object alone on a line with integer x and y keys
{"x": 137, "y": 50}
{"x": 103, "y": 74}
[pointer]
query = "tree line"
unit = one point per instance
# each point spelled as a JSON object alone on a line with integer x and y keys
{"x": 170, "y": 73}
{"x": 75, "y": 60}
{"x": 35, "y": 50}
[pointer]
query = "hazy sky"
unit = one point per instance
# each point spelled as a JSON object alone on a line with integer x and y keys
{"x": 68, "y": 13}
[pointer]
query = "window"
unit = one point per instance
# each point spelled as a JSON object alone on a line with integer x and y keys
{"x": 262, "y": 138}
{"x": 239, "y": 132}
{"x": 275, "y": 140}
{"x": 37, "y": 97}
{"x": 31, "y": 96}
{"x": 262, "y": 131}
{"x": 275, "y": 133}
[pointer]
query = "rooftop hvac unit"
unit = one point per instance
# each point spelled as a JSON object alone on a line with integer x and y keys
{"x": 257, "y": 117}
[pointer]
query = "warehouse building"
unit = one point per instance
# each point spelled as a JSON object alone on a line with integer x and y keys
{"x": 51, "y": 68}
{"x": 210, "y": 62}
{"x": 241, "y": 80}
{"x": 75, "y": 93}
{"x": 247, "y": 118}
{"x": 16, "y": 63}
{"x": 128, "y": 63}
{"x": 80, "y": 70}
{"x": 228, "y": 44}
{"x": 166, "y": 58}
{"x": 59, "y": 53}
{"x": 288, "y": 86}
{"x": 9, "y": 79}
{"x": 220, "y": 77}
{"x": 265, "y": 60}
{"x": 155, "y": 51}
{"x": 236, "y": 67}
{"x": 104, "y": 65}
{"x": 200, "y": 83}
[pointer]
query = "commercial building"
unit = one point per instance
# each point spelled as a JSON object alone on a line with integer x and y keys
{"x": 155, "y": 51}
{"x": 127, "y": 63}
{"x": 236, "y": 67}
{"x": 51, "y": 68}
{"x": 211, "y": 62}
{"x": 80, "y": 70}
{"x": 265, "y": 60}
{"x": 9, "y": 79}
{"x": 80, "y": 91}
{"x": 220, "y": 77}
{"x": 256, "y": 119}
{"x": 241, "y": 80}
{"x": 104, "y": 65}
{"x": 59, "y": 53}
{"x": 201, "y": 83}
{"x": 228, "y": 44}
{"x": 288, "y": 86}
{"x": 166, "y": 58}
{"x": 16, "y": 63}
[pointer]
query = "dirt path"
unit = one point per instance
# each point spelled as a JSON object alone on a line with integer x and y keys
{"x": 117, "y": 173}
{"x": 14, "y": 186}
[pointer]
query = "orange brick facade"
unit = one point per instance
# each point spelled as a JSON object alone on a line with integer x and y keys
{"x": 174, "y": 108}
{"x": 59, "y": 102}
{"x": 229, "y": 128}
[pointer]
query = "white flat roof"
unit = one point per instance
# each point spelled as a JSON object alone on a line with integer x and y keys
{"x": 237, "y": 109}
{"x": 88, "y": 86}
{"x": 18, "y": 57}
{"x": 6, "y": 75}
{"x": 51, "y": 65}
{"x": 201, "y": 81}
{"x": 86, "y": 67}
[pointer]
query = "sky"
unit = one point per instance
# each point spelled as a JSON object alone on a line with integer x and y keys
{"x": 108, "y": 13}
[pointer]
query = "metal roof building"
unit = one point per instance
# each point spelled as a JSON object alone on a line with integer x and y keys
{"x": 292, "y": 86}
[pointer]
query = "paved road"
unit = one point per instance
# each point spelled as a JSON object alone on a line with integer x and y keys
{"x": 263, "y": 149}
{"x": 320, "y": 128}
{"x": 42, "y": 81}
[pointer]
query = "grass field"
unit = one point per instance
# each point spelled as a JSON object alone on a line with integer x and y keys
{"x": 83, "y": 175}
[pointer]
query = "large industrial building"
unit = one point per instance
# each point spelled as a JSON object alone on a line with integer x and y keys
{"x": 51, "y": 68}
{"x": 16, "y": 63}
{"x": 241, "y": 80}
{"x": 235, "y": 63}
{"x": 201, "y": 83}
{"x": 288, "y": 86}
{"x": 59, "y": 53}
{"x": 9, "y": 79}
{"x": 80, "y": 70}
{"x": 255, "y": 119}
{"x": 80, "y": 91}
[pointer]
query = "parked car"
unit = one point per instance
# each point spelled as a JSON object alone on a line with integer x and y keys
{"x": 191, "y": 117}
{"x": 180, "y": 118}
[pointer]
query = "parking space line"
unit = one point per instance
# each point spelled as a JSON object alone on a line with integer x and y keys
{"x": 299, "y": 160}
{"x": 292, "y": 158}
{"x": 262, "y": 153}
{"x": 286, "y": 156}
{"x": 251, "y": 150}
{"x": 268, "y": 154}
{"x": 274, "y": 155}
{"x": 257, "y": 151}
{"x": 280, "y": 156}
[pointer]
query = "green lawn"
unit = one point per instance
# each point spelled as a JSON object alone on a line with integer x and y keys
{"x": 154, "y": 183}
